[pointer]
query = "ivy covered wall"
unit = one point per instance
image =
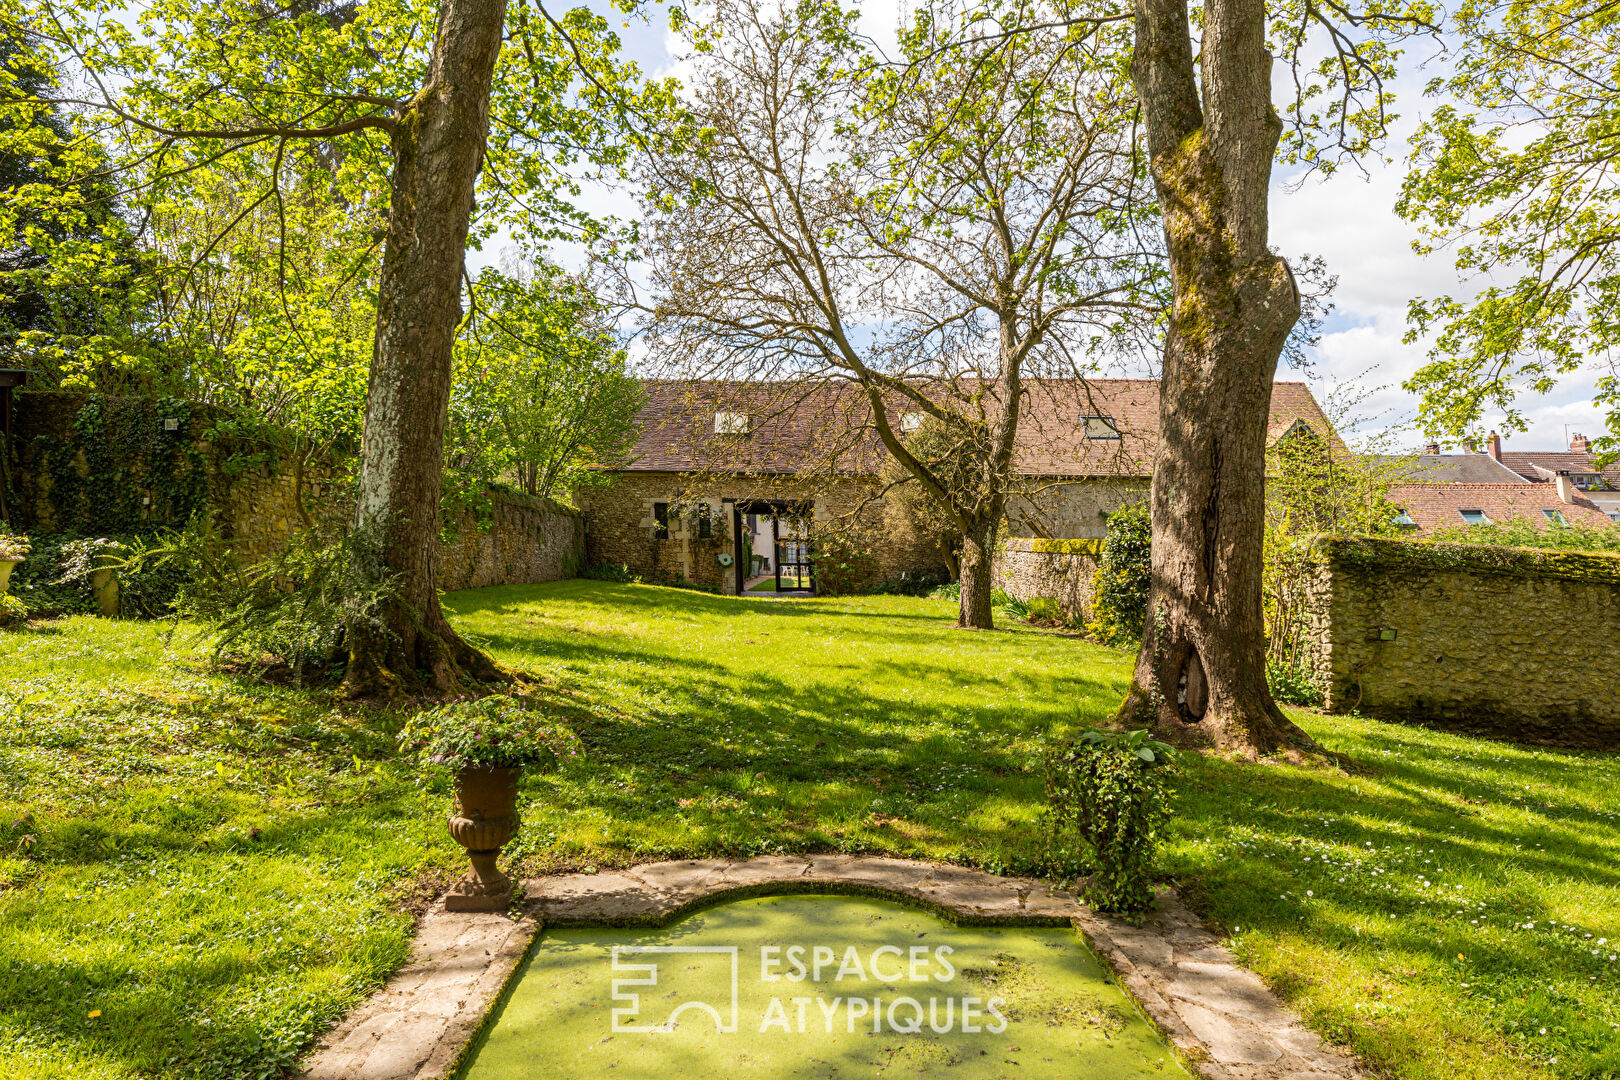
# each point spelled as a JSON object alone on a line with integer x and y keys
{"x": 91, "y": 466}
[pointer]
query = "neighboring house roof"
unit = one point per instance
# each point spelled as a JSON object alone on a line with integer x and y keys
{"x": 1439, "y": 506}
{"x": 1543, "y": 465}
{"x": 794, "y": 428}
{"x": 1457, "y": 469}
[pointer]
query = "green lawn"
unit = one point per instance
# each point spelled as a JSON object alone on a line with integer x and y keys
{"x": 132, "y": 882}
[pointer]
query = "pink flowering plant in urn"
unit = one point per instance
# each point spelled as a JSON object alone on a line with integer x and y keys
{"x": 486, "y": 742}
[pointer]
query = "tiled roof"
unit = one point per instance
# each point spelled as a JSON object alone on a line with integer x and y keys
{"x": 1457, "y": 469}
{"x": 1524, "y": 463}
{"x": 794, "y": 428}
{"x": 1439, "y": 506}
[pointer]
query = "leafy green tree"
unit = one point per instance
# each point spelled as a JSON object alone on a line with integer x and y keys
{"x": 477, "y": 115}
{"x": 1515, "y": 173}
{"x": 66, "y": 257}
{"x": 541, "y": 390}
{"x": 1316, "y": 484}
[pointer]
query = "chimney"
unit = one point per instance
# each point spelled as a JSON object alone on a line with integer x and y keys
{"x": 1468, "y": 445}
{"x": 1580, "y": 444}
{"x": 1432, "y": 448}
{"x": 1567, "y": 492}
{"x": 1495, "y": 444}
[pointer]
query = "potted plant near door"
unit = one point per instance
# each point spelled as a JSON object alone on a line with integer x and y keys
{"x": 13, "y": 550}
{"x": 486, "y": 743}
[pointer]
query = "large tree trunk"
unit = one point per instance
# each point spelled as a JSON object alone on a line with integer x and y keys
{"x": 974, "y": 612}
{"x": 438, "y": 149}
{"x": 1200, "y": 676}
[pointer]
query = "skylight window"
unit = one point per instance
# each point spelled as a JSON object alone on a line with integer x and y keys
{"x": 730, "y": 423}
{"x": 1403, "y": 519}
{"x": 1100, "y": 427}
{"x": 1554, "y": 516}
{"x": 1474, "y": 517}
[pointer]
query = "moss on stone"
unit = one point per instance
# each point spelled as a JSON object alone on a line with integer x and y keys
{"x": 1367, "y": 553}
{"x": 1066, "y": 547}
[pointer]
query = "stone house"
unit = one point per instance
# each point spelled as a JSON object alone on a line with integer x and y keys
{"x": 729, "y": 480}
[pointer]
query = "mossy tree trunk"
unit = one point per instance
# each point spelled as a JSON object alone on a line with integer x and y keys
{"x": 1200, "y": 676}
{"x": 974, "y": 611}
{"x": 438, "y": 148}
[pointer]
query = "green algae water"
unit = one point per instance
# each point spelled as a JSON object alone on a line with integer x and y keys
{"x": 789, "y": 987}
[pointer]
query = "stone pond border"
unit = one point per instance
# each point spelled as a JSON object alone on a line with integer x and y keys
{"x": 1222, "y": 1020}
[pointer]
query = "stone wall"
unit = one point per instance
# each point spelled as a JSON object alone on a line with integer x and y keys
{"x": 528, "y": 541}
{"x": 620, "y": 529}
{"x": 1059, "y": 569}
{"x": 1512, "y": 642}
{"x": 136, "y": 465}
{"x": 1072, "y": 509}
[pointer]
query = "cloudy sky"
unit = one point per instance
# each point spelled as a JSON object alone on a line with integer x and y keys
{"x": 1349, "y": 220}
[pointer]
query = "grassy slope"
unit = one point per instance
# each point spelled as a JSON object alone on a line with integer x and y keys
{"x": 869, "y": 725}
{"x": 145, "y": 928}
{"x": 724, "y": 726}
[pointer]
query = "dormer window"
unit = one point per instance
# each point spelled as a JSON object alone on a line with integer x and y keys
{"x": 910, "y": 422}
{"x": 1100, "y": 427}
{"x": 1474, "y": 517}
{"x": 730, "y": 423}
{"x": 1555, "y": 516}
{"x": 1404, "y": 520}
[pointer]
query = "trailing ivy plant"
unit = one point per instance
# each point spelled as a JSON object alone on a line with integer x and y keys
{"x": 494, "y": 732}
{"x": 1111, "y": 790}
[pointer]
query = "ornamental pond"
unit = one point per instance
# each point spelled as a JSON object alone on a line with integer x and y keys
{"x": 827, "y": 987}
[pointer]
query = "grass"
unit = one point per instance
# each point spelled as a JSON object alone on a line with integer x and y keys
{"x": 721, "y": 726}
{"x": 197, "y": 874}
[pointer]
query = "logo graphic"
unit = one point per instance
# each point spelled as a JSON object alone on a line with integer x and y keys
{"x": 647, "y": 975}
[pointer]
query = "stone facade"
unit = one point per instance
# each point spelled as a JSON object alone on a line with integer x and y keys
{"x": 1072, "y": 509}
{"x": 160, "y": 477}
{"x": 1511, "y": 642}
{"x": 620, "y": 528}
{"x": 1059, "y": 569}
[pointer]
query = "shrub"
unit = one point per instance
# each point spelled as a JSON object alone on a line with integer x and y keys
{"x": 55, "y": 580}
{"x": 498, "y": 731}
{"x": 12, "y": 610}
{"x": 951, "y": 590}
{"x": 1119, "y": 589}
{"x": 1293, "y": 685}
{"x": 912, "y": 583}
{"x": 844, "y": 565}
{"x": 1046, "y": 611}
{"x": 610, "y": 572}
{"x": 1010, "y": 606}
{"x": 1112, "y": 789}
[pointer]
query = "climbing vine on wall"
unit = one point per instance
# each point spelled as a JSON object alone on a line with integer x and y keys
{"x": 126, "y": 468}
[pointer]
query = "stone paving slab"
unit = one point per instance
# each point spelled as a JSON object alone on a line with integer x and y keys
{"x": 1221, "y": 1018}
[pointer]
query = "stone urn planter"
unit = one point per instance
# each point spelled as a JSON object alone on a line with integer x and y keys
{"x": 6, "y": 566}
{"x": 487, "y": 743}
{"x": 486, "y": 818}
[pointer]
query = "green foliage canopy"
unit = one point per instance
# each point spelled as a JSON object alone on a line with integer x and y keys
{"x": 1517, "y": 178}
{"x": 541, "y": 392}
